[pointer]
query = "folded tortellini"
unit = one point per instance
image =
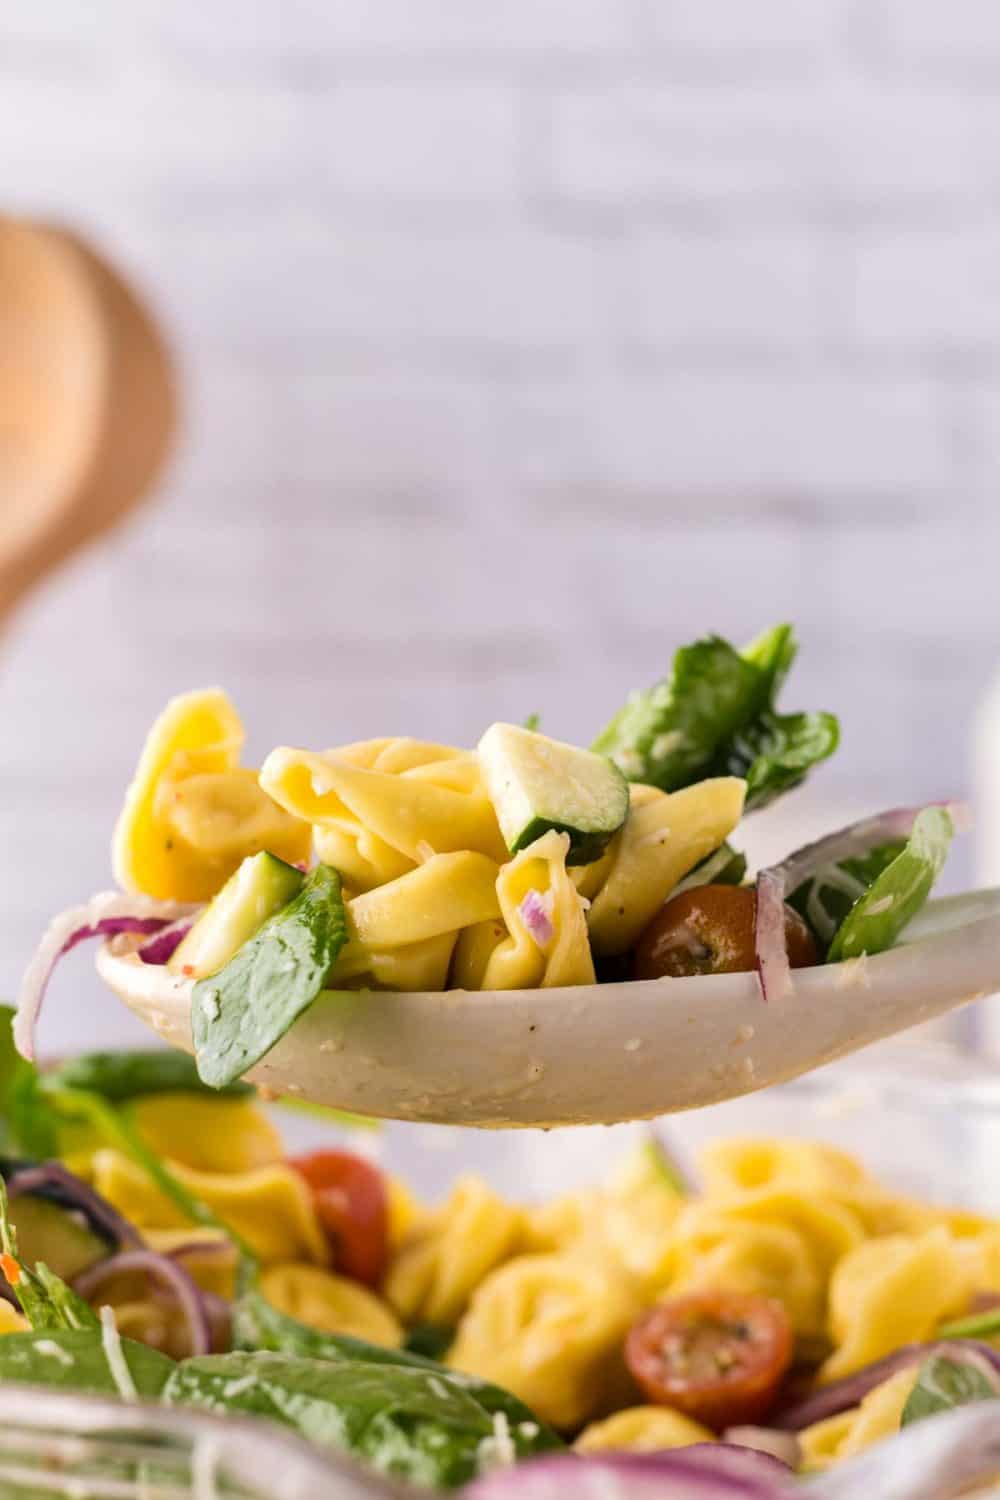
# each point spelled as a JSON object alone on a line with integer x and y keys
{"x": 642, "y": 1429}
{"x": 449, "y": 1253}
{"x": 550, "y": 1329}
{"x": 402, "y": 934}
{"x": 666, "y": 835}
{"x": 850, "y": 1432}
{"x": 210, "y": 1135}
{"x": 896, "y": 1290}
{"x": 270, "y": 1207}
{"x": 191, "y": 813}
{"x": 330, "y": 1303}
{"x": 381, "y": 807}
{"x": 507, "y": 954}
{"x": 710, "y": 1248}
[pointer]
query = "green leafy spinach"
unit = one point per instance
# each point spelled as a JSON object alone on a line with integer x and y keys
{"x": 422, "y": 1424}
{"x": 75, "y": 1359}
{"x": 715, "y": 715}
{"x": 46, "y": 1301}
{"x": 946, "y": 1381}
{"x": 239, "y": 1013}
{"x": 898, "y": 892}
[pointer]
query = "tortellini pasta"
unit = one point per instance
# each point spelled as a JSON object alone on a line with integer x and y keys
{"x": 191, "y": 813}
{"x": 330, "y": 1303}
{"x": 209, "y": 1135}
{"x": 665, "y": 836}
{"x": 402, "y": 934}
{"x": 736, "y": 1165}
{"x": 506, "y": 955}
{"x": 710, "y": 1248}
{"x": 381, "y": 807}
{"x": 895, "y": 1290}
{"x": 850, "y": 1432}
{"x": 450, "y": 1252}
{"x": 550, "y": 1329}
{"x": 642, "y": 1429}
{"x": 11, "y": 1321}
{"x": 270, "y": 1207}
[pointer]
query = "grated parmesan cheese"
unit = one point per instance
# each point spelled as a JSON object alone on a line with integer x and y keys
{"x": 497, "y": 1451}
{"x": 113, "y": 1353}
{"x": 51, "y": 1350}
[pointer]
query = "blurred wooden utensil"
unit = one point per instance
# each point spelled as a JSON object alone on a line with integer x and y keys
{"x": 87, "y": 401}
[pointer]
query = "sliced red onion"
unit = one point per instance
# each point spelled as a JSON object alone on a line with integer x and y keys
{"x": 165, "y": 943}
{"x": 842, "y": 1395}
{"x": 217, "y": 1308}
{"x": 181, "y": 1287}
{"x": 104, "y": 915}
{"x": 779, "y": 881}
{"x": 783, "y": 1446}
{"x": 73, "y": 1193}
{"x": 704, "y": 1471}
{"x": 536, "y": 913}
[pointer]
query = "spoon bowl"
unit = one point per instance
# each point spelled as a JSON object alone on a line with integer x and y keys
{"x": 595, "y": 1054}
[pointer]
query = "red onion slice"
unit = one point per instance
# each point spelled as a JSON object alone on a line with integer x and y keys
{"x": 71, "y": 1192}
{"x": 831, "y": 1400}
{"x": 164, "y": 944}
{"x": 104, "y": 915}
{"x": 704, "y": 1471}
{"x": 779, "y": 881}
{"x": 181, "y": 1287}
{"x": 536, "y": 913}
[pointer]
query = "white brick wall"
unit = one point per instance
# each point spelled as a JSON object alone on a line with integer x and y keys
{"x": 521, "y": 341}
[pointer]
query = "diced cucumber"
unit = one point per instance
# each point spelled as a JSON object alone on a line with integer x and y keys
{"x": 261, "y": 886}
{"x": 536, "y": 784}
{"x": 55, "y": 1235}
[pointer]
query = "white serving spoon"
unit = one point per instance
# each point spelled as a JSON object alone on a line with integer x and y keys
{"x": 594, "y": 1054}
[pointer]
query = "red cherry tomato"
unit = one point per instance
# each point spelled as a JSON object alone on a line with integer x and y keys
{"x": 353, "y": 1207}
{"x": 717, "y": 1356}
{"x": 710, "y": 931}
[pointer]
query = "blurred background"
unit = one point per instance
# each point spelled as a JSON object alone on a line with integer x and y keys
{"x": 518, "y": 343}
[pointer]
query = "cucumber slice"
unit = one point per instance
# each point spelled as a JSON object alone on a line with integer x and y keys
{"x": 262, "y": 885}
{"x": 536, "y": 784}
{"x": 48, "y": 1232}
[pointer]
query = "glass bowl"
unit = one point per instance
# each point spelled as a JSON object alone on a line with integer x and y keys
{"x": 923, "y": 1117}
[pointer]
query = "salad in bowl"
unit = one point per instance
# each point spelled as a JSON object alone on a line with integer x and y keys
{"x": 766, "y": 1319}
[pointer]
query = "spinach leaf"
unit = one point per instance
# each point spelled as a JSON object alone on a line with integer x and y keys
{"x": 75, "y": 1360}
{"x": 27, "y": 1125}
{"x": 259, "y": 1326}
{"x": 120, "y": 1076}
{"x": 877, "y": 918}
{"x": 669, "y": 735}
{"x": 715, "y": 715}
{"x": 406, "y": 1421}
{"x": 775, "y": 752}
{"x": 431, "y": 1340}
{"x": 824, "y": 900}
{"x": 46, "y": 1301}
{"x": 945, "y": 1382}
{"x": 239, "y": 1013}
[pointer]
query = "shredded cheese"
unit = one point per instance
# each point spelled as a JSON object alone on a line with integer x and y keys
{"x": 114, "y": 1354}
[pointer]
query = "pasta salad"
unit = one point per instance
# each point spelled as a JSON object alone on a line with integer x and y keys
{"x": 777, "y": 1316}
{"x": 524, "y": 864}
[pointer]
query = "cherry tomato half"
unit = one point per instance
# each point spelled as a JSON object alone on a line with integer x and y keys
{"x": 710, "y": 931}
{"x": 353, "y": 1207}
{"x": 717, "y": 1356}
